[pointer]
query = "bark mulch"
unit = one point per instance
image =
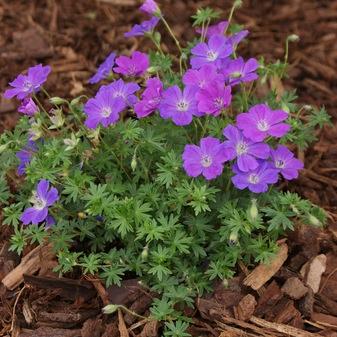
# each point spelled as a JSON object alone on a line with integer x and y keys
{"x": 296, "y": 295}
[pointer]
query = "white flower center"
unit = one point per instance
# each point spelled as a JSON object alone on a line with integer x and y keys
{"x": 118, "y": 94}
{"x": 206, "y": 160}
{"x": 212, "y": 55}
{"x": 182, "y": 106}
{"x": 253, "y": 178}
{"x": 236, "y": 74}
{"x": 201, "y": 83}
{"x": 218, "y": 102}
{"x": 27, "y": 85}
{"x": 38, "y": 203}
{"x": 279, "y": 163}
{"x": 241, "y": 148}
{"x": 262, "y": 125}
{"x": 132, "y": 70}
{"x": 106, "y": 112}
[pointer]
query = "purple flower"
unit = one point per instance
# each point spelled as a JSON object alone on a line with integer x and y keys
{"x": 236, "y": 38}
{"x": 50, "y": 221}
{"x": 24, "y": 85}
{"x": 136, "y": 65}
{"x": 245, "y": 150}
{"x": 150, "y": 7}
{"x": 283, "y": 160}
{"x": 151, "y": 98}
{"x": 260, "y": 121}
{"x": 237, "y": 71}
{"x": 104, "y": 109}
{"x": 208, "y": 159}
{"x": 25, "y": 155}
{"x": 104, "y": 69}
{"x": 213, "y": 98}
{"x": 201, "y": 77}
{"x": 179, "y": 105}
{"x": 256, "y": 180}
{"x": 43, "y": 198}
{"x": 28, "y": 107}
{"x": 217, "y": 29}
{"x": 121, "y": 89}
{"x": 213, "y": 52}
{"x": 144, "y": 27}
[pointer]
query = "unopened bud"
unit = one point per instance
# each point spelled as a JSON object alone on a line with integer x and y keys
{"x": 57, "y": 100}
{"x": 134, "y": 162}
{"x": 295, "y": 209}
{"x": 110, "y": 309}
{"x": 153, "y": 70}
{"x": 57, "y": 119}
{"x": 285, "y": 108}
{"x": 145, "y": 253}
{"x": 293, "y": 38}
{"x": 314, "y": 221}
{"x": 253, "y": 211}
{"x": 237, "y": 3}
{"x": 157, "y": 37}
{"x": 233, "y": 238}
{"x": 81, "y": 215}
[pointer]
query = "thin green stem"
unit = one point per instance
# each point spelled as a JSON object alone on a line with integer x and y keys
{"x": 236, "y": 4}
{"x": 45, "y": 92}
{"x": 171, "y": 33}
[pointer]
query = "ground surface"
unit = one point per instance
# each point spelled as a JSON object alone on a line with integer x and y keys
{"x": 73, "y": 37}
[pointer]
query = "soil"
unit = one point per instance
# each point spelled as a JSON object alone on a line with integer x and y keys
{"x": 297, "y": 295}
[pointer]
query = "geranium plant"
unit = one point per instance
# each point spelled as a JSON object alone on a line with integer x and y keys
{"x": 169, "y": 174}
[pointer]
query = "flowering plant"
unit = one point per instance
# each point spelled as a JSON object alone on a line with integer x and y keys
{"x": 169, "y": 173}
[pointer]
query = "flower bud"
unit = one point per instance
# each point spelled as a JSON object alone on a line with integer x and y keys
{"x": 57, "y": 100}
{"x": 314, "y": 221}
{"x": 293, "y": 38}
{"x": 110, "y": 309}
{"x": 253, "y": 211}
{"x": 57, "y": 119}
{"x": 295, "y": 209}
{"x": 233, "y": 238}
{"x": 285, "y": 108}
{"x": 134, "y": 162}
{"x": 81, "y": 215}
{"x": 157, "y": 37}
{"x": 153, "y": 70}
{"x": 145, "y": 253}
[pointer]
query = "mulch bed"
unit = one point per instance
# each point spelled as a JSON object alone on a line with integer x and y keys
{"x": 294, "y": 296}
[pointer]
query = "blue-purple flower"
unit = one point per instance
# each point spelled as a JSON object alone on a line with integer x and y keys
{"x": 103, "y": 109}
{"x": 207, "y": 159}
{"x": 104, "y": 69}
{"x": 145, "y": 27}
{"x": 238, "y": 71}
{"x": 214, "y": 52}
{"x": 236, "y": 38}
{"x": 246, "y": 151}
{"x": 257, "y": 180}
{"x": 150, "y": 7}
{"x": 179, "y": 105}
{"x": 122, "y": 89}
{"x": 284, "y": 161}
{"x": 260, "y": 122}
{"x": 28, "y": 107}
{"x": 136, "y": 65}
{"x": 151, "y": 98}
{"x": 213, "y": 98}
{"x": 25, "y": 156}
{"x": 217, "y": 29}
{"x": 44, "y": 197}
{"x": 203, "y": 76}
{"x": 25, "y": 85}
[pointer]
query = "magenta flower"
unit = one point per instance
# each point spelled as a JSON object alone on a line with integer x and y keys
{"x": 238, "y": 71}
{"x": 236, "y": 38}
{"x": 25, "y": 156}
{"x": 28, "y": 107}
{"x": 246, "y": 151}
{"x": 150, "y": 7}
{"x": 260, "y": 121}
{"x": 136, "y": 65}
{"x": 151, "y": 98}
{"x": 201, "y": 77}
{"x": 257, "y": 180}
{"x": 145, "y": 27}
{"x": 213, "y": 98}
{"x": 283, "y": 160}
{"x": 24, "y": 85}
{"x": 207, "y": 159}
{"x": 43, "y": 198}
{"x": 125, "y": 90}
{"x": 179, "y": 105}
{"x": 104, "y": 69}
{"x": 213, "y": 52}
{"x": 103, "y": 108}
{"x": 217, "y": 29}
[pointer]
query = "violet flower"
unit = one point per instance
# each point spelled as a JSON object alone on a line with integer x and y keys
{"x": 122, "y": 89}
{"x": 104, "y": 69}
{"x": 145, "y": 27}
{"x": 28, "y": 107}
{"x": 257, "y": 180}
{"x": 136, "y": 65}
{"x": 43, "y": 197}
{"x": 260, "y": 121}
{"x": 207, "y": 159}
{"x": 24, "y": 85}
{"x": 179, "y": 105}
{"x": 238, "y": 71}
{"x": 246, "y": 151}
{"x": 151, "y": 98}
{"x": 213, "y": 52}
{"x": 284, "y": 161}
{"x": 25, "y": 156}
{"x": 217, "y": 29}
{"x": 150, "y": 7}
{"x": 236, "y": 38}
{"x": 213, "y": 98}
{"x": 201, "y": 77}
{"x": 104, "y": 109}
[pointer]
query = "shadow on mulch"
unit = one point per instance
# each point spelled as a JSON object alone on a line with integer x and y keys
{"x": 300, "y": 290}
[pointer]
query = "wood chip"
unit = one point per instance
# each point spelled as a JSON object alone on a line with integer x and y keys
{"x": 150, "y": 329}
{"x": 294, "y": 288}
{"x": 245, "y": 308}
{"x": 264, "y": 272}
{"x": 121, "y": 325}
{"x": 313, "y": 272}
{"x": 48, "y": 332}
{"x": 327, "y": 320}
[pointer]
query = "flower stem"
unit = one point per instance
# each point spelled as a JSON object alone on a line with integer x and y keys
{"x": 171, "y": 33}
